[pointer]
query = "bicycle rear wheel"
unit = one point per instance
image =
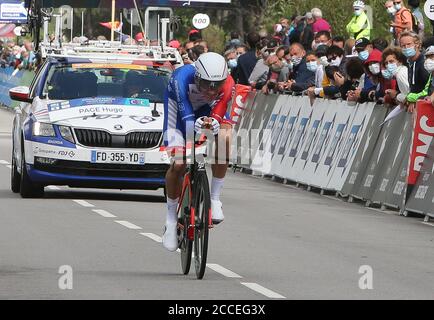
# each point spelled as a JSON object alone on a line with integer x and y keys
{"x": 202, "y": 200}
{"x": 185, "y": 244}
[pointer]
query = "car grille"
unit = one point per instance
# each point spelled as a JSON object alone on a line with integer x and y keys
{"x": 103, "y": 139}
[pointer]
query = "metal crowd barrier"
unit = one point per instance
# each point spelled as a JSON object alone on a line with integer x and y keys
{"x": 335, "y": 147}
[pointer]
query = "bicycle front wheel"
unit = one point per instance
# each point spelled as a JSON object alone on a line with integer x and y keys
{"x": 185, "y": 244}
{"x": 202, "y": 207}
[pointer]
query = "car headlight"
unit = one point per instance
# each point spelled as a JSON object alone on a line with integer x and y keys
{"x": 66, "y": 133}
{"x": 41, "y": 129}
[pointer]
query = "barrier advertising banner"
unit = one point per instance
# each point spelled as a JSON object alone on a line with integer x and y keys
{"x": 364, "y": 153}
{"x": 287, "y": 135}
{"x": 239, "y": 102}
{"x": 393, "y": 164}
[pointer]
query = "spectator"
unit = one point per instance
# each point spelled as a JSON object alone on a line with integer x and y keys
{"x": 391, "y": 12}
{"x": 194, "y": 35}
{"x": 296, "y": 30}
{"x": 301, "y": 77}
{"x": 374, "y": 87}
{"x": 232, "y": 59}
{"x": 335, "y": 57}
{"x": 314, "y": 65}
{"x": 359, "y": 26}
{"x": 247, "y": 61}
{"x": 322, "y": 38}
{"x": 307, "y": 35}
{"x": 339, "y": 41}
{"x": 380, "y": 44}
{"x": 320, "y": 24}
{"x": 195, "y": 52}
{"x": 234, "y": 40}
{"x": 418, "y": 77}
{"x": 403, "y": 19}
{"x": 364, "y": 48}
{"x": 242, "y": 49}
{"x": 202, "y": 43}
{"x": 353, "y": 84}
{"x": 394, "y": 61}
{"x": 429, "y": 66}
{"x": 350, "y": 50}
{"x": 414, "y": 5}
{"x": 259, "y": 75}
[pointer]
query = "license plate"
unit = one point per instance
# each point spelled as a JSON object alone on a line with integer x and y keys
{"x": 118, "y": 157}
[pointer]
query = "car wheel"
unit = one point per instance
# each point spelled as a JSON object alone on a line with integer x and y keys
{"x": 15, "y": 176}
{"x": 28, "y": 189}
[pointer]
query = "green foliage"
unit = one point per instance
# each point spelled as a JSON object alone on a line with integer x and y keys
{"x": 215, "y": 37}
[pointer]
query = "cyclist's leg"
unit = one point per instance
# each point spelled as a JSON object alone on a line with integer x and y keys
{"x": 219, "y": 169}
{"x": 173, "y": 138}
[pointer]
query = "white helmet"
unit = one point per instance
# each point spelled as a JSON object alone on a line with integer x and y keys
{"x": 359, "y": 4}
{"x": 211, "y": 68}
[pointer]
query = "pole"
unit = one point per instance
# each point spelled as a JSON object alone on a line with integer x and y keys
{"x": 113, "y": 20}
{"x": 72, "y": 23}
{"x": 132, "y": 25}
{"x": 82, "y": 23}
{"x": 140, "y": 20}
{"x": 122, "y": 31}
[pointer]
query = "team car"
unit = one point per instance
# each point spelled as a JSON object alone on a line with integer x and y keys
{"x": 93, "y": 118}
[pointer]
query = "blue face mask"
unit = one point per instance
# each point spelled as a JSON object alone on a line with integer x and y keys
{"x": 392, "y": 67}
{"x": 364, "y": 55}
{"x": 312, "y": 66}
{"x": 409, "y": 52}
{"x": 387, "y": 74}
{"x": 232, "y": 63}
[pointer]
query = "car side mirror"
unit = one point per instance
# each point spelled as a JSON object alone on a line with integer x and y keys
{"x": 20, "y": 94}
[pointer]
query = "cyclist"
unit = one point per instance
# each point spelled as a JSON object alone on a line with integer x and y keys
{"x": 197, "y": 97}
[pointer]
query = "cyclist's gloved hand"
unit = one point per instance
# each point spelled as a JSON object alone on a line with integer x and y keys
{"x": 200, "y": 123}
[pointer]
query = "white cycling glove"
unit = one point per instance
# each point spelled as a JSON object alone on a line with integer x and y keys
{"x": 215, "y": 125}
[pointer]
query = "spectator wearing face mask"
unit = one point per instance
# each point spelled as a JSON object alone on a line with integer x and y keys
{"x": 359, "y": 26}
{"x": 395, "y": 63}
{"x": 391, "y": 11}
{"x": 301, "y": 77}
{"x": 313, "y": 64}
{"x": 322, "y": 38}
{"x": 364, "y": 48}
{"x": 336, "y": 58}
{"x": 378, "y": 85}
{"x": 232, "y": 60}
{"x": 429, "y": 66}
{"x": 403, "y": 19}
{"x": 418, "y": 77}
{"x": 351, "y": 86}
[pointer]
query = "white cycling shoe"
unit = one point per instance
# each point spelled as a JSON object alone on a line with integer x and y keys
{"x": 217, "y": 212}
{"x": 170, "y": 236}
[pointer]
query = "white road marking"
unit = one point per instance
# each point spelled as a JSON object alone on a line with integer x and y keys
{"x": 4, "y": 162}
{"x": 153, "y": 237}
{"x": 428, "y": 224}
{"x": 53, "y": 188}
{"x": 84, "y": 203}
{"x": 223, "y": 271}
{"x": 129, "y": 225}
{"x": 104, "y": 213}
{"x": 264, "y": 291}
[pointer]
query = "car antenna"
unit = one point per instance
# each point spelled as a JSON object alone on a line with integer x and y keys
{"x": 155, "y": 113}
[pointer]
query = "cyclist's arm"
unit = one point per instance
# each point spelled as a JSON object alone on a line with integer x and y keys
{"x": 219, "y": 111}
{"x": 180, "y": 86}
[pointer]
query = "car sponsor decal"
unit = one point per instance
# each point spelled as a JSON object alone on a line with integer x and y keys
{"x": 98, "y": 106}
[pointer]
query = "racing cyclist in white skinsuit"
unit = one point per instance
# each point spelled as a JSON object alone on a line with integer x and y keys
{"x": 197, "y": 94}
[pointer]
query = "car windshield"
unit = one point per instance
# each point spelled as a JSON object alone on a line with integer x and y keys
{"x": 76, "y": 81}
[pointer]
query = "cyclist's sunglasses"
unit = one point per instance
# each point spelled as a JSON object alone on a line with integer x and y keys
{"x": 210, "y": 85}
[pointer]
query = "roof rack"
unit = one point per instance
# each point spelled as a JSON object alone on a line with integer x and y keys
{"x": 103, "y": 49}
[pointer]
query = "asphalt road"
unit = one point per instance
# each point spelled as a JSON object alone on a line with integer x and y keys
{"x": 277, "y": 242}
